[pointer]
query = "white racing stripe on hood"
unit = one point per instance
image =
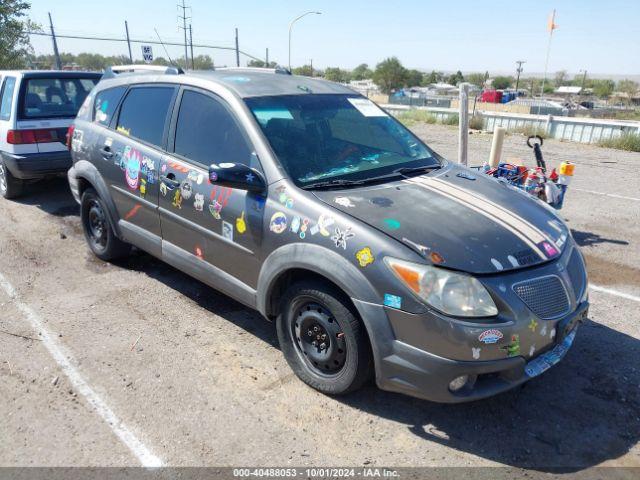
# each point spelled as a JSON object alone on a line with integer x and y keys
{"x": 528, "y": 241}
{"x": 521, "y": 224}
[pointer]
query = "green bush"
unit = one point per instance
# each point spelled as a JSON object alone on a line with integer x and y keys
{"x": 528, "y": 131}
{"x": 413, "y": 116}
{"x": 475, "y": 123}
{"x": 451, "y": 120}
{"x": 627, "y": 141}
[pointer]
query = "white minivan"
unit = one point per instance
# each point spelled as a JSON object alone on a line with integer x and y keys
{"x": 36, "y": 109}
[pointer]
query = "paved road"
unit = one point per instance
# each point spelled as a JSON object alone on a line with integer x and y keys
{"x": 205, "y": 384}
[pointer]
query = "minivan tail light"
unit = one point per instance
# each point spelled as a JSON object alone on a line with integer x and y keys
{"x": 72, "y": 127}
{"x": 23, "y": 137}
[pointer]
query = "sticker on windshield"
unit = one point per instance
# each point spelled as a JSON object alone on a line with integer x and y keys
{"x": 366, "y": 107}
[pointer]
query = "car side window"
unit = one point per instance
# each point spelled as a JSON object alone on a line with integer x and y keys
{"x": 144, "y": 112}
{"x": 6, "y": 97}
{"x": 105, "y": 104}
{"x": 206, "y": 132}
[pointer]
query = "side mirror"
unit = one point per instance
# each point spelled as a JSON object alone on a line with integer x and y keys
{"x": 237, "y": 175}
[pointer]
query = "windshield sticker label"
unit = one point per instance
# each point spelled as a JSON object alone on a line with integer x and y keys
{"x": 393, "y": 301}
{"x": 490, "y": 336}
{"x": 278, "y": 222}
{"x": 366, "y": 107}
{"x": 365, "y": 257}
{"x": 227, "y": 231}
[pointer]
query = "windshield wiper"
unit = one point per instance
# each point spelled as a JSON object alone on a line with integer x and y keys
{"x": 421, "y": 168}
{"x": 332, "y": 183}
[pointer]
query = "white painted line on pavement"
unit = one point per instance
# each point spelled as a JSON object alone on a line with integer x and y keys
{"x": 607, "y": 194}
{"x": 63, "y": 359}
{"x": 598, "y": 288}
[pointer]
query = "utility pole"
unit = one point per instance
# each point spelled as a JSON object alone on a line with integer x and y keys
{"x": 193, "y": 66}
{"x": 311, "y": 65}
{"x": 267, "y": 58}
{"x": 184, "y": 18}
{"x": 519, "y": 71}
{"x": 584, "y": 79}
{"x": 237, "y": 50}
{"x": 126, "y": 28}
{"x": 58, "y": 64}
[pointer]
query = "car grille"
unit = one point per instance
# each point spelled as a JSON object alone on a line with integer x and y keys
{"x": 545, "y": 296}
{"x": 576, "y": 270}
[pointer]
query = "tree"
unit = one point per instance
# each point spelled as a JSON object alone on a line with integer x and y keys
{"x": 14, "y": 40}
{"x": 414, "y": 78}
{"x": 361, "y": 72}
{"x": 476, "y": 79}
{"x": 602, "y": 88}
{"x": 303, "y": 70}
{"x": 627, "y": 86}
{"x": 456, "y": 78}
{"x": 501, "y": 82}
{"x": 261, "y": 64}
{"x": 389, "y": 75}
{"x": 336, "y": 74}
{"x": 160, "y": 61}
{"x": 560, "y": 78}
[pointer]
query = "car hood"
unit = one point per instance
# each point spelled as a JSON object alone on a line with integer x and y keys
{"x": 458, "y": 218}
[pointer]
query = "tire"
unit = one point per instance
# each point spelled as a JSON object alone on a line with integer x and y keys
{"x": 98, "y": 230}
{"x": 10, "y": 186}
{"x": 344, "y": 363}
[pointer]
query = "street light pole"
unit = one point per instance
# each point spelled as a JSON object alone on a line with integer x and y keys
{"x": 291, "y": 26}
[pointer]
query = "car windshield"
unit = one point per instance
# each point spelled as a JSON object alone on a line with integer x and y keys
{"x": 329, "y": 138}
{"x": 55, "y": 97}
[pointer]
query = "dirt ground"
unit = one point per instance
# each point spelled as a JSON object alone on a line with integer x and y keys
{"x": 205, "y": 384}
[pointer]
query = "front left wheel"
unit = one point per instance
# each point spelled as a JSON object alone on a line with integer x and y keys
{"x": 98, "y": 230}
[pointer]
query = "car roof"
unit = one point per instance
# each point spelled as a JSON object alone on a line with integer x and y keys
{"x": 51, "y": 73}
{"x": 244, "y": 82}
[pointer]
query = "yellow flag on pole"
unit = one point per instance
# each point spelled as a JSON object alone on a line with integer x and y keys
{"x": 551, "y": 24}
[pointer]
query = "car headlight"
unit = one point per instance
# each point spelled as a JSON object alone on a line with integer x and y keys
{"x": 451, "y": 293}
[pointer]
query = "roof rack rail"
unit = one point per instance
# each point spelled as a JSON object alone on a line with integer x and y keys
{"x": 278, "y": 70}
{"x": 115, "y": 70}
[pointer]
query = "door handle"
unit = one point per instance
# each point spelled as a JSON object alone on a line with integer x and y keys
{"x": 106, "y": 152}
{"x": 170, "y": 181}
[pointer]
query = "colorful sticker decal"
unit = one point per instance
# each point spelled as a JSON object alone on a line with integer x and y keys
{"x": 241, "y": 225}
{"x": 200, "y": 179}
{"x": 314, "y": 229}
{"x": 532, "y": 350}
{"x": 198, "y": 202}
{"x": 436, "y": 257}
{"x": 497, "y": 264}
{"x": 143, "y": 187}
{"x": 227, "y": 231}
{"x": 295, "y": 224}
{"x": 258, "y": 204}
{"x": 393, "y": 301}
{"x": 214, "y": 209}
{"x": 365, "y": 257}
{"x": 303, "y": 228}
{"x": 550, "y": 249}
{"x": 391, "y": 223}
{"x": 163, "y": 189}
{"x": 124, "y": 131}
{"x": 148, "y": 169}
{"x": 513, "y": 349}
{"x": 533, "y": 325}
{"x": 76, "y": 140}
{"x": 192, "y": 175}
{"x": 344, "y": 202}
{"x": 220, "y": 195}
{"x": 213, "y": 177}
{"x": 186, "y": 189}
{"x": 163, "y": 168}
{"x": 490, "y": 336}
{"x": 382, "y": 201}
{"x": 278, "y": 222}
{"x": 199, "y": 253}
{"x": 340, "y": 237}
{"x": 324, "y": 222}
{"x": 177, "y": 199}
{"x": 131, "y": 213}
{"x": 475, "y": 352}
{"x": 552, "y": 335}
{"x": 543, "y": 331}
{"x": 250, "y": 177}
{"x": 131, "y": 159}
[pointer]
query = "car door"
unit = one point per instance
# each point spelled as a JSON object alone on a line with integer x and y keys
{"x": 219, "y": 226}
{"x": 131, "y": 152}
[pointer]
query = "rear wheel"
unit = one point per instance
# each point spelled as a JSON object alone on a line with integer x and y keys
{"x": 10, "y": 186}
{"x": 98, "y": 230}
{"x": 324, "y": 343}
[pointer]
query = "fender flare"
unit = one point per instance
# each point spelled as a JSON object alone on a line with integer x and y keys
{"x": 88, "y": 172}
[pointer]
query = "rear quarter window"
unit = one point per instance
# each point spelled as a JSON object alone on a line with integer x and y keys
{"x": 106, "y": 103}
{"x": 55, "y": 97}
{"x": 6, "y": 97}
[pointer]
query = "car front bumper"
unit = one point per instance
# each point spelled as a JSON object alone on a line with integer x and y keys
{"x": 406, "y": 369}
{"x": 37, "y": 165}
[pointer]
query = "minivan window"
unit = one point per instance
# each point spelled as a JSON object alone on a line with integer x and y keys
{"x": 55, "y": 97}
{"x": 336, "y": 136}
{"x": 207, "y": 133}
{"x": 144, "y": 112}
{"x": 6, "y": 100}
{"x": 106, "y": 103}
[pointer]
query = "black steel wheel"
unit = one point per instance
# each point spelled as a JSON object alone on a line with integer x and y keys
{"x": 98, "y": 231}
{"x": 10, "y": 187}
{"x": 323, "y": 341}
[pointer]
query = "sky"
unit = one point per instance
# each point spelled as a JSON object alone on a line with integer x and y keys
{"x": 602, "y": 37}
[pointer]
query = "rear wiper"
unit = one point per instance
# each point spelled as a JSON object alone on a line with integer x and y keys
{"x": 332, "y": 183}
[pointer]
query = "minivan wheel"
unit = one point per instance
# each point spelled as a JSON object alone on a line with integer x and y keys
{"x": 97, "y": 228}
{"x": 324, "y": 343}
{"x": 10, "y": 186}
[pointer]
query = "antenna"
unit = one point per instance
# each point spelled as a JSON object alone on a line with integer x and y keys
{"x": 165, "y": 48}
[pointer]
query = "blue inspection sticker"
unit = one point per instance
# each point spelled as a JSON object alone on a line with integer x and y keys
{"x": 545, "y": 361}
{"x": 393, "y": 301}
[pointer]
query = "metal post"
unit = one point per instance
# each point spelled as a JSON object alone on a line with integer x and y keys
{"x": 237, "y": 50}
{"x": 267, "y": 58}
{"x": 193, "y": 65}
{"x": 126, "y": 28}
{"x": 311, "y": 65}
{"x": 463, "y": 132}
{"x": 291, "y": 27}
{"x": 58, "y": 64}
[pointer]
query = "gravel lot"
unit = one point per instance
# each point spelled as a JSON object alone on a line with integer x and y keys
{"x": 205, "y": 384}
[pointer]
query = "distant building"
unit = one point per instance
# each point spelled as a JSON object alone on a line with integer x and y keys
{"x": 364, "y": 87}
{"x": 567, "y": 90}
